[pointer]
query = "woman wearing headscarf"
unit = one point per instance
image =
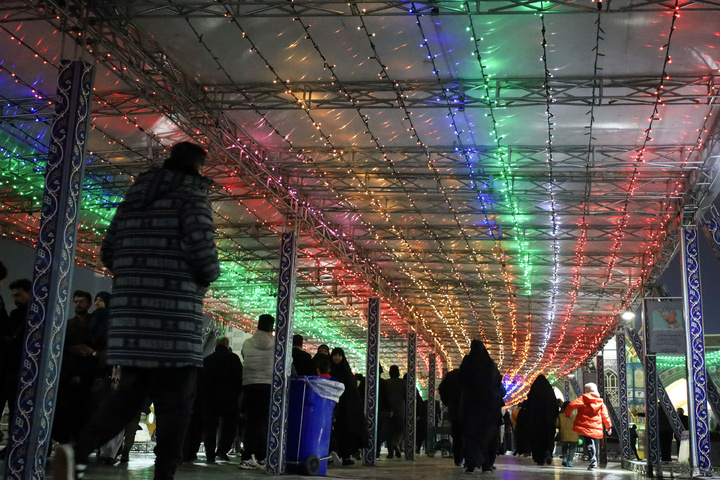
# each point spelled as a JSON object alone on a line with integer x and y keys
{"x": 543, "y": 410}
{"x": 349, "y": 419}
{"x": 480, "y": 407}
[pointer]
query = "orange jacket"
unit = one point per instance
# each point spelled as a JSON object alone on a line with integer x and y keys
{"x": 592, "y": 414}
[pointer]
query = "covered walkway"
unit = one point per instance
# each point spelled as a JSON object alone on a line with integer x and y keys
{"x": 435, "y": 468}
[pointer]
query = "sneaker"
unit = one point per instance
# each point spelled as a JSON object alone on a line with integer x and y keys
{"x": 569, "y": 464}
{"x": 249, "y": 465}
{"x": 261, "y": 463}
{"x": 592, "y": 467}
{"x": 564, "y": 463}
{"x": 223, "y": 457}
{"x": 347, "y": 462}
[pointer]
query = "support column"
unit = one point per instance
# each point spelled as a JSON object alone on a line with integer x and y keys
{"x": 600, "y": 369}
{"x": 625, "y": 449}
{"x": 44, "y": 335}
{"x": 429, "y": 441}
{"x": 277, "y": 424}
{"x": 566, "y": 389}
{"x": 372, "y": 379}
{"x": 695, "y": 345}
{"x": 576, "y": 386}
{"x": 652, "y": 420}
{"x": 410, "y": 399}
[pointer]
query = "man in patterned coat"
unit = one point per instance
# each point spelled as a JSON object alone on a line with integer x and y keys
{"x": 160, "y": 248}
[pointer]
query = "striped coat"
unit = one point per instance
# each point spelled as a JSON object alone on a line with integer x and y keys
{"x": 160, "y": 248}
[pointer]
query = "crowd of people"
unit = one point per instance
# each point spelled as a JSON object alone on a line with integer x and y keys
{"x": 144, "y": 346}
{"x": 482, "y": 428}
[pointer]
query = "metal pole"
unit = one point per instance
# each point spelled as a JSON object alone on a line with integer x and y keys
{"x": 431, "y": 403}
{"x": 600, "y": 368}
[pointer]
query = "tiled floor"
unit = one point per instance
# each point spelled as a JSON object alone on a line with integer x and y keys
{"x": 436, "y": 468}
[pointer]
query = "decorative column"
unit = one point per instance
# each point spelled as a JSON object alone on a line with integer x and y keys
{"x": 410, "y": 398}
{"x": 282, "y": 362}
{"x": 695, "y": 344}
{"x": 32, "y": 419}
{"x": 429, "y": 441}
{"x": 372, "y": 379}
{"x": 566, "y": 389}
{"x": 600, "y": 369}
{"x": 625, "y": 449}
{"x": 652, "y": 420}
{"x": 576, "y": 386}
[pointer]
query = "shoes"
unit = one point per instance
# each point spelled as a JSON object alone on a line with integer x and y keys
{"x": 347, "y": 462}
{"x": 548, "y": 458}
{"x": 210, "y": 460}
{"x": 223, "y": 457}
{"x": 564, "y": 463}
{"x": 249, "y": 465}
{"x": 592, "y": 467}
{"x": 261, "y": 463}
{"x": 569, "y": 464}
{"x": 469, "y": 469}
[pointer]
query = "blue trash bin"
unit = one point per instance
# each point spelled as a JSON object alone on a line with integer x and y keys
{"x": 310, "y": 412}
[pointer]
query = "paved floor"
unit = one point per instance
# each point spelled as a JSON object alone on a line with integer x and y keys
{"x": 436, "y": 468}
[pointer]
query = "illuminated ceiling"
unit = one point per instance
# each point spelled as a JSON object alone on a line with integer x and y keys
{"x": 500, "y": 169}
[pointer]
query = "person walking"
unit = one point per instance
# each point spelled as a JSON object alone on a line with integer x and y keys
{"x": 568, "y": 437}
{"x": 160, "y": 248}
{"x": 450, "y": 390}
{"x": 542, "y": 408}
{"x": 258, "y": 352}
{"x": 222, "y": 378}
{"x": 592, "y": 415}
{"x": 396, "y": 389}
{"x": 480, "y": 407}
{"x": 349, "y": 429}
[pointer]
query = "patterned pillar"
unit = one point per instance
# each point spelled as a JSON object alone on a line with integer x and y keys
{"x": 576, "y": 386}
{"x": 652, "y": 420}
{"x": 566, "y": 389}
{"x": 30, "y": 425}
{"x": 429, "y": 441}
{"x": 372, "y": 379}
{"x": 410, "y": 399}
{"x": 277, "y": 426}
{"x": 601, "y": 390}
{"x": 695, "y": 341}
{"x": 625, "y": 450}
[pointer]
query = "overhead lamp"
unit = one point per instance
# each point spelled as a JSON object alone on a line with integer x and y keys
{"x": 628, "y": 316}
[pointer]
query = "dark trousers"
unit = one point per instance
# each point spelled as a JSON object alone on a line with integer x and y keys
{"x": 593, "y": 447}
{"x": 172, "y": 390}
{"x": 226, "y": 420}
{"x": 255, "y": 410}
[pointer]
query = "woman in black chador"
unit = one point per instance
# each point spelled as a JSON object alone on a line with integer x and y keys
{"x": 480, "y": 407}
{"x": 542, "y": 411}
{"x": 349, "y": 430}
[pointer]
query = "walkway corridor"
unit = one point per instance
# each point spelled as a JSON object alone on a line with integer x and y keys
{"x": 437, "y": 468}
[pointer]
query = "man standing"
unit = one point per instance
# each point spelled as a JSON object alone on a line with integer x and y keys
{"x": 78, "y": 371}
{"x": 592, "y": 414}
{"x": 11, "y": 340}
{"x": 222, "y": 378}
{"x": 160, "y": 248}
{"x": 258, "y": 352}
{"x": 302, "y": 360}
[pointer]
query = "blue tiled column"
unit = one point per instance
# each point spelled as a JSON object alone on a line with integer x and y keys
{"x": 410, "y": 399}
{"x": 652, "y": 420}
{"x": 432, "y": 366}
{"x": 695, "y": 344}
{"x": 53, "y": 270}
{"x": 372, "y": 379}
{"x": 277, "y": 426}
{"x": 601, "y": 390}
{"x": 624, "y": 426}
